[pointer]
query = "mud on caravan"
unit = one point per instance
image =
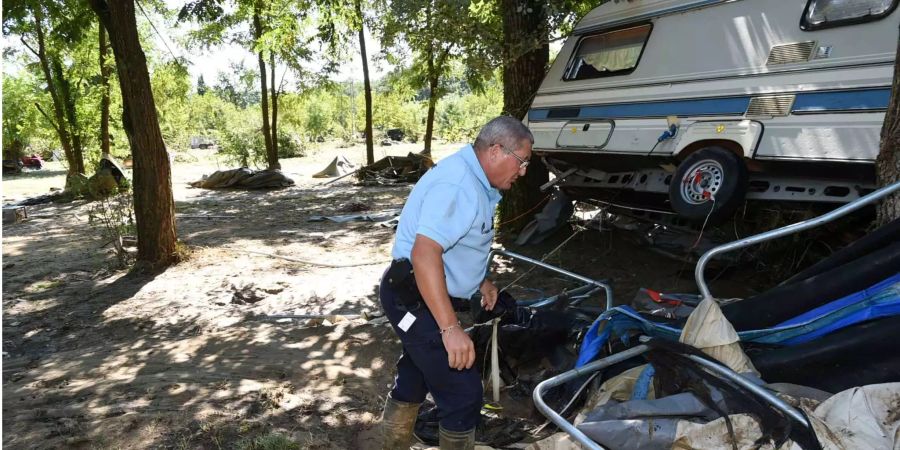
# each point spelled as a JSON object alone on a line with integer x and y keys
{"x": 711, "y": 101}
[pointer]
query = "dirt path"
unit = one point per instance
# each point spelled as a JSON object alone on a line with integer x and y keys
{"x": 96, "y": 358}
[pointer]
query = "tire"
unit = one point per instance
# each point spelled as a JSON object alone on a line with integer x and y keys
{"x": 712, "y": 177}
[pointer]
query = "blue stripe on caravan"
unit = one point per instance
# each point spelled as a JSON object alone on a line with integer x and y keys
{"x": 698, "y": 107}
{"x": 868, "y": 99}
{"x": 537, "y": 114}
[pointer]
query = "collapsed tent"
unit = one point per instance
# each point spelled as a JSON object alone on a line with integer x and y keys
{"x": 244, "y": 178}
{"x": 339, "y": 166}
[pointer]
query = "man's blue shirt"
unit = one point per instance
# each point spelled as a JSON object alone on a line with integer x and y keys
{"x": 452, "y": 204}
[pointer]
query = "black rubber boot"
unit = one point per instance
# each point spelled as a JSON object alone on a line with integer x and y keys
{"x": 457, "y": 440}
{"x": 397, "y": 423}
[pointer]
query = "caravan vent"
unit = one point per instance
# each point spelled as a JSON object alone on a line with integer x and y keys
{"x": 779, "y": 105}
{"x": 791, "y": 53}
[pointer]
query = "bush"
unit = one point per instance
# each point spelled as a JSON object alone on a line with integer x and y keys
{"x": 290, "y": 146}
{"x": 102, "y": 185}
{"x": 243, "y": 146}
{"x": 113, "y": 218}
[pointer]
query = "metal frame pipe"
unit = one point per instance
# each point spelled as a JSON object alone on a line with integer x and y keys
{"x": 545, "y": 385}
{"x": 783, "y": 231}
{"x": 606, "y": 288}
{"x": 576, "y": 296}
{"x": 777, "y": 402}
{"x": 719, "y": 369}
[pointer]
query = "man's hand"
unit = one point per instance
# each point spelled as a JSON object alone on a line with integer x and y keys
{"x": 460, "y": 349}
{"x": 488, "y": 295}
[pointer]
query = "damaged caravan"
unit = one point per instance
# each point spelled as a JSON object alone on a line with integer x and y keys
{"x": 697, "y": 105}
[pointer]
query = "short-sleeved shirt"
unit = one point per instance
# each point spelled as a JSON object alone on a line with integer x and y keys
{"x": 452, "y": 204}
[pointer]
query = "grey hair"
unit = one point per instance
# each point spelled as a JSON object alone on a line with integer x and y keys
{"x": 504, "y": 130}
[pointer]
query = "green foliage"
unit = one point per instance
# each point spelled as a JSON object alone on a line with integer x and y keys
{"x": 71, "y": 39}
{"x": 77, "y": 186}
{"x": 317, "y": 122}
{"x": 243, "y": 145}
{"x": 23, "y": 125}
{"x": 290, "y": 146}
{"x": 319, "y": 114}
{"x": 171, "y": 85}
{"x": 460, "y": 117}
{"x": 210, "y": 114}
{"x": 395, "y": 110}
{"x": 414, "y": 33}
{"x": 101, "y": 185}
{"x": 239, "y": 86}
{"x": 201, "y": 86}
{"x": 439, "y": 33}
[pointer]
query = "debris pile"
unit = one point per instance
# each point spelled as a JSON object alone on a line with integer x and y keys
{"x": 244, "y": 178}
{"x": 395, "y": 169}
{"x": 809, "y": 363}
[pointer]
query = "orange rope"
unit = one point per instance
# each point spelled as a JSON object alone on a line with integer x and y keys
{"x": 524, "y": 213}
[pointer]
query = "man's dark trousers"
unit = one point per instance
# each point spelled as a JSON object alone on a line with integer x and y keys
{"x": 423, "y": 367}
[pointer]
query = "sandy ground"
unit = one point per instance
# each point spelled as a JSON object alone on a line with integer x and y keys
{"x": 96, "y": 358}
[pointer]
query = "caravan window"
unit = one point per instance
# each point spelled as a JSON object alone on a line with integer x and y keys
{"x": 609, "y": 53}
{"x": 831, "y": 13}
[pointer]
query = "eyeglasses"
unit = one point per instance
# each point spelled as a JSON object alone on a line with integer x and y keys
{"x": 523, "y": 163}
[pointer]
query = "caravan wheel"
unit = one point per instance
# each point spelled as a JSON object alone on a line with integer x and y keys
{"x": 711, "y": 178}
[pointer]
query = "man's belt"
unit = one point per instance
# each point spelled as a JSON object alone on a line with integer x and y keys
{"x": 402, "y": 280}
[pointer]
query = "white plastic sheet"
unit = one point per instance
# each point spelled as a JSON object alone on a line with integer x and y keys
{"x": 708, "y": 330}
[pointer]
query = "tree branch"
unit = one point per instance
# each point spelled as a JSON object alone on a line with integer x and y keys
{"x": 22, "y": 38}
{"x": 52, "y": 123}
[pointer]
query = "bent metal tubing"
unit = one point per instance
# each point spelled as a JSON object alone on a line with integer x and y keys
{"x": 773, "y": 399}
{"x": 783, "y": 231}
{"x": 545, "y": 385}
{"x": 717, "y": 368}
{"x": 605, "y": 286}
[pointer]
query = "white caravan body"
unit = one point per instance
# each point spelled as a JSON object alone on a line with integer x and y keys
{"x": 794, "y": 88}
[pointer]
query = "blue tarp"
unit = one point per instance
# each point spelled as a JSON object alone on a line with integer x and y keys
{"x": 880, "y": 300}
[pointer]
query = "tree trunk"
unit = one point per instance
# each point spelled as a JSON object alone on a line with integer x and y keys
{"x": 153, "y": 204}
{"x": 887, "y": 165}
{"x": 68, "y": 101}
{"x": 104, "y": 99}
{"x": 370, "y": 145}
{"x": 525, "y": 59}
{"x": 61, "y": 127}
{"x": 277, "y": 164}
{"x": 271, "y": 159}
{"x": 432, "y": 105}
{"x": 432, "y": 84}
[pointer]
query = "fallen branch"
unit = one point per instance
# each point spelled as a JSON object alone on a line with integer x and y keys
{"x": 338, "y": 178}
{"x": 365, "y": 315}
{"x": 201, "y": 216}
{"x": 310, "y": 263}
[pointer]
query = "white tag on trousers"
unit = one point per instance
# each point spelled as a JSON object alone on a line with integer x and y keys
{"x": 406, "y": 322}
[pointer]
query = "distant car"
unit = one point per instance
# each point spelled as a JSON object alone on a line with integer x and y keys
{"x": 33, "y": 162}
{"x": 396, "y": 134}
